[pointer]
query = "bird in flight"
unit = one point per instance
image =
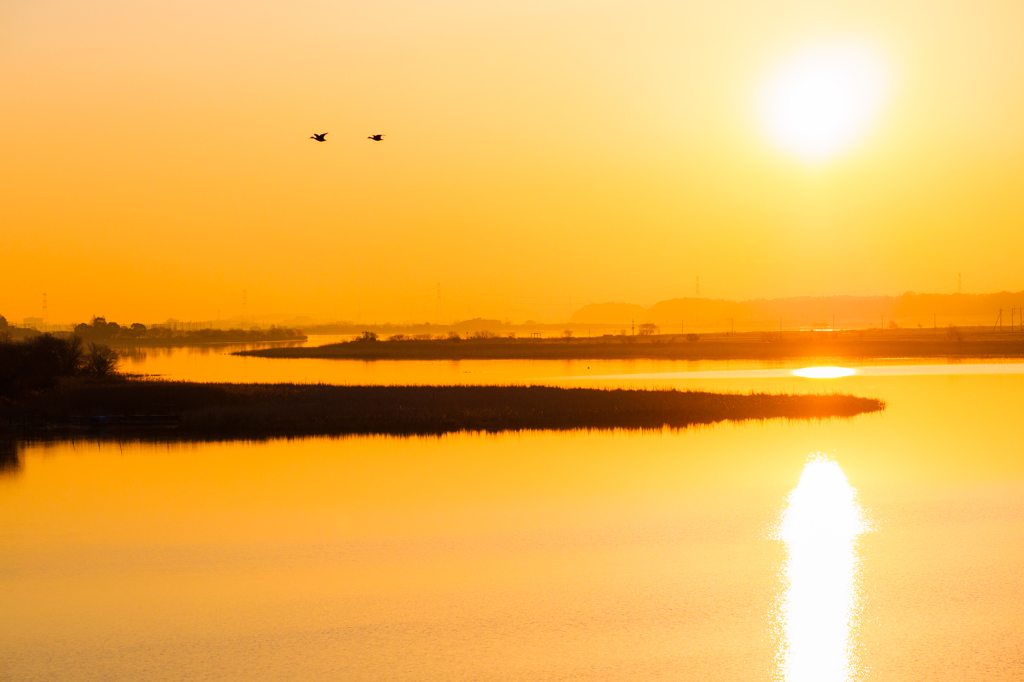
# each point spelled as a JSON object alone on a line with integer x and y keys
{"x": 319, "y": 137}
{"x": 376, "y": 138}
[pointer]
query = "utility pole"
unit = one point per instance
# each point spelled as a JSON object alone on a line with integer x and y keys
{"x": 245, "y": 305}
{"x": 632, "y": 328}
{"x": 698, "y": 287}
{"x": 46, "y": 315}
{"x": 959, "y": 284}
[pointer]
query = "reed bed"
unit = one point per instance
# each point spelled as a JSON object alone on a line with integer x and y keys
{"x": 267, "y": 410}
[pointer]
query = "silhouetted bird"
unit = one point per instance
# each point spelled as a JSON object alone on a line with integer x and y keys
{"x": 376, "y": 138}
{"x": 319, "y": 137}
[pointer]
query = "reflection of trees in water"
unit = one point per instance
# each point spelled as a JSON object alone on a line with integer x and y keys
{"x": 10, "y": 459}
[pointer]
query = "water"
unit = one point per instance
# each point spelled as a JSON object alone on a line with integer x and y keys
{"x": 216, "y": 363}
{"x": 886, "y": 547}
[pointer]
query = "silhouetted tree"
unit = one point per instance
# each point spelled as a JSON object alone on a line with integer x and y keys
{"x": 37, "y": 363}
{"x": 647, "y": 329}
{"x": 101, "y": 360}
{"x": 71, "y": 356}
{"x": 3, "y": 322}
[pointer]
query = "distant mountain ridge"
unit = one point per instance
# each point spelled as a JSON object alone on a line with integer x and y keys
{"x": 908, "y": 308}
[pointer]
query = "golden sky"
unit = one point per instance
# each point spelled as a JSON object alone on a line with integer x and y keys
{"x": 538, "y": 156}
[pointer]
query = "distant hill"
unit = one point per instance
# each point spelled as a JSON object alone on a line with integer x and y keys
{"x": 906, "y": 310}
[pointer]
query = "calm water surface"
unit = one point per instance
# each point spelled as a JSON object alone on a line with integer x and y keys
{"x": 886, "y": 547}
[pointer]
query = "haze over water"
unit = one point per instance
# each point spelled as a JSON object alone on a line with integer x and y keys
{"x": 537, "y": 555}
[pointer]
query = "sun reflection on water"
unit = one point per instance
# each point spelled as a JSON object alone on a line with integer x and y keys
{"x": 817, "y": 616}
{"x": 824, "y": 372}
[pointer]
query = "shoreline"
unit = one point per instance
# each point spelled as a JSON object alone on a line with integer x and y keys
{"x": 858, "y": 344}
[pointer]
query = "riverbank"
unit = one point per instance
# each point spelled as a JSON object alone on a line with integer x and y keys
{"x": 194, "y": 410}
{"x": 865, "y": 344}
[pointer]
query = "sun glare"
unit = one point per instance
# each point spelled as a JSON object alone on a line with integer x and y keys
{"x": 822, "y": 100}
{"x": 824, "y": 372}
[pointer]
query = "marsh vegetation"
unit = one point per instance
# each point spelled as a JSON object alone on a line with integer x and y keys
{"x": 265, "y": 410}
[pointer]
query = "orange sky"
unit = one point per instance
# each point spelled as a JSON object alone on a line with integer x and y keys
{"x": 539, "y": 156}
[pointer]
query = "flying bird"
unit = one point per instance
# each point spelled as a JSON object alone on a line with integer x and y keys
{"x": 376, "y": 138}
{"x": 319, "y": 137}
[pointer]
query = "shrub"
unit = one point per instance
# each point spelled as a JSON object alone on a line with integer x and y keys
{"x": 398, "y": 337}
{"x": 484, "y": 335}
{"x": 567, "y": 334}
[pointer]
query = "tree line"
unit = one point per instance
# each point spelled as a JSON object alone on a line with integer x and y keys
{"x": 40, "y": 362}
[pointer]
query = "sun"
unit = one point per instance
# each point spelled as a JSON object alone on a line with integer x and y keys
{"x": 823, "y": 99}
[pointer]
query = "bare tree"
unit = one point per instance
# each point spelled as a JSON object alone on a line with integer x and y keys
{"x": 71, "y": 356}
{"x": 102, "y": 360}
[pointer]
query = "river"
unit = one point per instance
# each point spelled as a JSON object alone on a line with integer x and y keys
{"x": 885, "y": 547}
